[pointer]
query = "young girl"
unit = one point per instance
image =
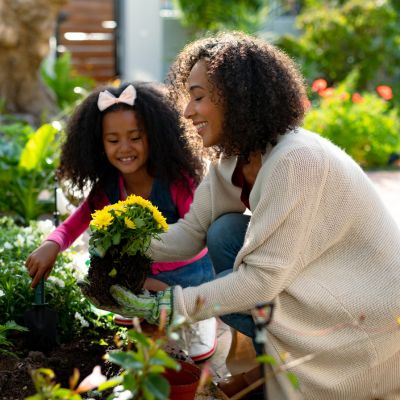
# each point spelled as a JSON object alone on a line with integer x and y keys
{"x": 319, "y": 241}
{"x": 123, "y": 141}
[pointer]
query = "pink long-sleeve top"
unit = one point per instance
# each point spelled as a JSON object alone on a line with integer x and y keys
{"x": 65, "y": 234}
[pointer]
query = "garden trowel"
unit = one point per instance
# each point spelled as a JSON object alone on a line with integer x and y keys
{"x": 41, "y": 320}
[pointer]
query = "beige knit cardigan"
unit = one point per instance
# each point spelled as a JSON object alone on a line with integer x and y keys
{"x": 320, "y": 243}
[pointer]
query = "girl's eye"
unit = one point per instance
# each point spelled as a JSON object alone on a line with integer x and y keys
{"x": 113, "y": 141}
{"x": 134, "y": 139}
{"x": 198, "y": 98}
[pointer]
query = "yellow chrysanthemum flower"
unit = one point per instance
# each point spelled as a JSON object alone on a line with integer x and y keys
{"x": 160, "y": 219}
{"x": 129, "y": 223}
{"x": 101, "y": 219}
{"x": 140, "y": 201}
{"x": 119, "y": 208}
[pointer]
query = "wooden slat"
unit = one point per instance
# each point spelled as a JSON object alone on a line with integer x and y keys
{"x": 94, "y": 58}
{"x": 98, "y": 7}
{"x": 84, "y": 27}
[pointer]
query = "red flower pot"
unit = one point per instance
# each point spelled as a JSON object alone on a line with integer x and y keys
{"x": 183, "y": 382}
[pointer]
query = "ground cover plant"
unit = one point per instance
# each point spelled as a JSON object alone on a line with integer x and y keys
{"x": 83, "y": 333}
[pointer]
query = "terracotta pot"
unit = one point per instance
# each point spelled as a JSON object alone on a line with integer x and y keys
{"x": 184, "y": 382}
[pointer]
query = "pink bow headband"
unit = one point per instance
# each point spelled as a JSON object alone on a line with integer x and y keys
{"x": 106, "y": 99}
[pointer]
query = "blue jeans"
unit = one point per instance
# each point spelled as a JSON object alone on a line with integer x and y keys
{"x": 225, "y": 238}
{"x": 193, "y": 274}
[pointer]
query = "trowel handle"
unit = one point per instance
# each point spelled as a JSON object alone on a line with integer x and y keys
{"x": 39, "y": 293}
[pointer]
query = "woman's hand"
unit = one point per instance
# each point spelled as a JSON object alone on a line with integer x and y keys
{"x": 154, "y": 285}
{"x": 41, "y": 261}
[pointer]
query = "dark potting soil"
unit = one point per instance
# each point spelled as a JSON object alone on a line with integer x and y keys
{"x": 81, "y": 353}
{"x": 131, "y": 273}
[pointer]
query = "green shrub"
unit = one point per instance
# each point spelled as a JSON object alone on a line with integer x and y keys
{"x": 337, "y": 38}
{"x": 364, "y": 125}
{"x": 75, "y": 313}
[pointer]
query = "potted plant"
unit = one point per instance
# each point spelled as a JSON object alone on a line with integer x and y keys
{"x": 120, "y": 235}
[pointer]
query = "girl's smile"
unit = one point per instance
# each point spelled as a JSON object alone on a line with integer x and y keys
{"x": 125, "y": 142}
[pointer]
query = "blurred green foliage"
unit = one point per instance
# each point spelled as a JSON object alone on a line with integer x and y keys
{"x": 339, "y": 36}
{"x": 212, "y": 16}
{"x": 65, "y": 83}
{"x": 28, "y": 158}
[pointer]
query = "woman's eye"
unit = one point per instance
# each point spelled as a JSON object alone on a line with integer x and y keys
{"x": 112, "y": 141}
{"x": 134, "y": 139}
{"x": 198, "y": 98}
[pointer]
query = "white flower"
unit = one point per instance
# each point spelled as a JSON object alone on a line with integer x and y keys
{"x": 121, "y": 393}
{"x": 45, "y": 227}
{"x": 57, "y": 281}
{"x": 2, "y": 293}
{"x": 82, "y": 320}
{"x": 20, "y": 240}
{"x": 7, "y": 246}
{"x": 125, "y": 395}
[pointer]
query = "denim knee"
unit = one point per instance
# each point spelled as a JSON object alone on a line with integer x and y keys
{"x": 225, "y": 238}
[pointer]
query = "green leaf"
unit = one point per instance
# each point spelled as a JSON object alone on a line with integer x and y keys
{"x": 267, "y": 359}
{"x": 140, "y": 338}
{"x": 157, "y": 385}
{"x": 35, "y": 151}
{"x": 113, "y": 273}
{"x": 131, "y": 382}
{"x": 116, "y": 380}
{"x": 139, "y": 223}
{"x": 293, "y": 379}
{"x": 162, "y": 358}
{"x": 116, "y": 239}
{"x": 127, "y": 360}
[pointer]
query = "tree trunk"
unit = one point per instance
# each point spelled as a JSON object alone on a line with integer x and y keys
{"x": 25, "y": 29}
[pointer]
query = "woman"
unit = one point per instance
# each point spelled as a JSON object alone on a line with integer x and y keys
{"x": 319, "y": 241}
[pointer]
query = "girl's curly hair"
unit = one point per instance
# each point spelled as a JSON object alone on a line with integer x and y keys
{"x": 173, "y": 155}
{"x": 261, "y": 88}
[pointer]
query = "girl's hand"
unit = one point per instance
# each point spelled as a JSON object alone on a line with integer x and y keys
{"x": 41, "y": 261}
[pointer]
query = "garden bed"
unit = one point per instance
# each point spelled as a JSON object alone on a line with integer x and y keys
{"x": 82, "y": 353}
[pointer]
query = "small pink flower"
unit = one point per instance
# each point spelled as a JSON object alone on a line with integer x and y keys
{"x": 92, "y": 381}
{"x": 344, "y": 96}
{"x": 385, "y": 92}
{"x": 319, "y": 84}
{"x": 357, "y": 98}
{"x": 328, "y": 92}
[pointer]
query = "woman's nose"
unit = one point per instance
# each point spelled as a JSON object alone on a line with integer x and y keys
{"x": 188, "y": 111}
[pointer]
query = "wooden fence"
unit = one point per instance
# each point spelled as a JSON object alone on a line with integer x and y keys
{"x": 87, "y": 29}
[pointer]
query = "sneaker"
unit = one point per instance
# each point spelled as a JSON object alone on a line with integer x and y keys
{"x": 203, "y": 339}
{"x": 120, "y": 320}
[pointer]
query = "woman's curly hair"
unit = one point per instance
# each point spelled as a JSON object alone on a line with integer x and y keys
{"x": 261, "y": 88}
{"x": 173, "y": 155}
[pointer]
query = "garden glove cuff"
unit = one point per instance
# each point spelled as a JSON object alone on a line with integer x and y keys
{"x": 147, "y": 306}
